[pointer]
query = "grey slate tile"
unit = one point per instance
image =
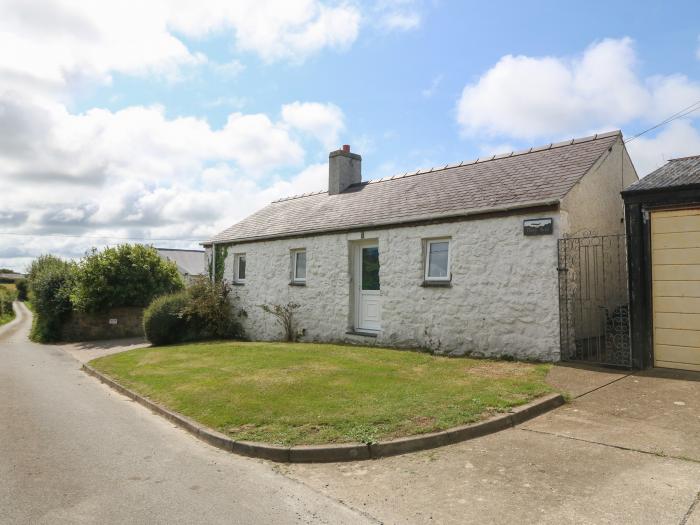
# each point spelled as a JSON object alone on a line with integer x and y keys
{"x": 536, "y": 175}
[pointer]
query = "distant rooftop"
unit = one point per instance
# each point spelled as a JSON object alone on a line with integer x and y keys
{"x": 676, "y": 173}
{"x": 533, "y": 177}
{"x": 189, "y": 262}
{"x": 14, "y": 276}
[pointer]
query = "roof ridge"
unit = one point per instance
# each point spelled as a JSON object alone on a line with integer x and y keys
{"x": 684, "y": 158}
{"x": 478, "y": 160}
{"x": 179, "y": 249}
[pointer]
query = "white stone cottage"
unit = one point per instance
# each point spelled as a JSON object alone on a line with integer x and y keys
{"x": 458, "y": 259}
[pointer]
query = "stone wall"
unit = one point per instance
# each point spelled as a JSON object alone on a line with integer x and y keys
{"x": 90, "y": 327}
{"x": 503, "y": 299}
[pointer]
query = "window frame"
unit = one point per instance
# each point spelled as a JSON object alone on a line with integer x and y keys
{"x": 236, "y": 267}
{"x": 426, "y": 260}
{"x": 295, "y": 252}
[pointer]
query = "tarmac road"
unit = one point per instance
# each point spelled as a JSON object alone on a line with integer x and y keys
{"x": 74, "y": 451}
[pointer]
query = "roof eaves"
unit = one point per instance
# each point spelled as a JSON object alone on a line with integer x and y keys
{"x": 473, "y": 212}
{"x": 659, "y": 189}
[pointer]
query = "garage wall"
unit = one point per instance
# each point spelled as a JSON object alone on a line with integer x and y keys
{"x": 503, "y": 299}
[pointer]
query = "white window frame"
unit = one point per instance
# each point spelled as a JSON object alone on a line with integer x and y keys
{"x": 236, "y": 263}
{"x": 296, "y": 279}
{"x": 428, "y": 243}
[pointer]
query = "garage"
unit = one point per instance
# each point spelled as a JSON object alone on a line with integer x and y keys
{"x": 662, "y": 213}
{"x": 675, "y": 252}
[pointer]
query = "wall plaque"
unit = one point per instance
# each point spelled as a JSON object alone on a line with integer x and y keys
{"x": 538, "y": 226}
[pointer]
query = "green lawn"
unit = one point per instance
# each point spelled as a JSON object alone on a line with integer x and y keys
{"x": 317, "y": 393}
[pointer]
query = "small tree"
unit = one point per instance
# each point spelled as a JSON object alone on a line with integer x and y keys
{"x": 126, "y": 275}
{"x": 22, "y": 289}
{"x": 50, "y": 283}
{"x": 284, "y": 315}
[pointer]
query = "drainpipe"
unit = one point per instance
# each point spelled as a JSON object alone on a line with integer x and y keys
{"x": 213, "y": 262}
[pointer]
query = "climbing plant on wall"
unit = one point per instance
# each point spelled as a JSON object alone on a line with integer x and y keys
{"x": 220, "y": 255}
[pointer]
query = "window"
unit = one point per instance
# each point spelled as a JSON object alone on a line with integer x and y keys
{"x": 299, "y": 266}
{"x": 437, "y": 260}
{"x": 239, "y": 268}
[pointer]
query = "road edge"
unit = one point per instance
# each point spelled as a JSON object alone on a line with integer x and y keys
{"x": 346, "y": 451}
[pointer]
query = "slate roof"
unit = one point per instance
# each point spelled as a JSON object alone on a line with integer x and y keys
{"x": 189, "y": 262}
{"x": 534, "y": 177}
{"x": 675, "y": 173}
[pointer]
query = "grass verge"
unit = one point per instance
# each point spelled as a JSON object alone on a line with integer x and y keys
{"x": 4, "y": 319}
{"x": 294, "y": 394}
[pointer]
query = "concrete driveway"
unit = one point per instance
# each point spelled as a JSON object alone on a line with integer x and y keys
{"x": 626, "y": 450}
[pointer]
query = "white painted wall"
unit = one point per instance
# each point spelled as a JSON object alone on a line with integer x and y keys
{"x": 503, "y": 300}
{"x": 594, "y": 204}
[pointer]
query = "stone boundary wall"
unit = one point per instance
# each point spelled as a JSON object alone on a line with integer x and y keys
{"x": 90, "y": 327}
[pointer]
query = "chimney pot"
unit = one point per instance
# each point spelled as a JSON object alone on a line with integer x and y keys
{"x": 346, "y": 148}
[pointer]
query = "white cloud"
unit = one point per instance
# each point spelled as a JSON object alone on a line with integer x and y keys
{"x": 398, "y": 15}
{"x": 59, "y": 43}
{"x": 401, "y": 21}
{"x": 138, "y": 172}
{"x": 322, "y": 121}
{"x": 678, "y": 139}
{"x": 528, "y": 98}
{"x": 432, "y": 88}
{"x": 229, "y": 69}
{"x": 274, "y": 29}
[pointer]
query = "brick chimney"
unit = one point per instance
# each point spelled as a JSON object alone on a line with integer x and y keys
{"x": 344, "y": 169}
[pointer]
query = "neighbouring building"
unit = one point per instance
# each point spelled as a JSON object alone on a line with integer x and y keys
{"x": 190, "y": 263}
{"x": 11, "y": 277}
{"x": 458, "y": 259}
{"x": 663, "y": 230}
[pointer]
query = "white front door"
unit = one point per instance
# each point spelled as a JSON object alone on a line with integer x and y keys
{"x": 368, "y": 308}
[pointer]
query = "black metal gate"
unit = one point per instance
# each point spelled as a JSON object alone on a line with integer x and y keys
{"x": 593, "y": 300}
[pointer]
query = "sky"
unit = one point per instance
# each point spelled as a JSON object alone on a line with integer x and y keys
{"x": 169, "y": 120}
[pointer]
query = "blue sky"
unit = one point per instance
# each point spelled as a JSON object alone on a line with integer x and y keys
{"x": 174, "y": 120}
{"x": 398, "y": 90}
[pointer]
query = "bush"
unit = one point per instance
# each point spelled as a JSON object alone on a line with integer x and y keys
{"x": 126, "y": 275}
{"x": 163, "y": 322}
{"x": 50, "y": 283}
{"x": 209, "y": 311}
{"x": 6, "y": 298}
{"x": 284, "y": 315}
{"x": 22, "y": 289}
{"x": 203, "y": 311}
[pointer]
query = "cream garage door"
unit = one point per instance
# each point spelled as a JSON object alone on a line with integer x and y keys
{"x": 675, "y": 257}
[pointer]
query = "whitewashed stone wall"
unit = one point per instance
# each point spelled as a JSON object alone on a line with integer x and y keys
{"x": 503, "y": 300}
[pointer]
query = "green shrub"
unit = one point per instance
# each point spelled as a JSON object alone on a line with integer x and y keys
{"x": 22, "y": 289}
{"x": 284, "y": 315}
{"x": 126, "y": 275}
{"x": 203, "y": 311}
{"x": 163, "y": 322}
{"x": 6, "y": 298}
{"x": 209, "y": 312}
{"x": 50, "y": 283}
